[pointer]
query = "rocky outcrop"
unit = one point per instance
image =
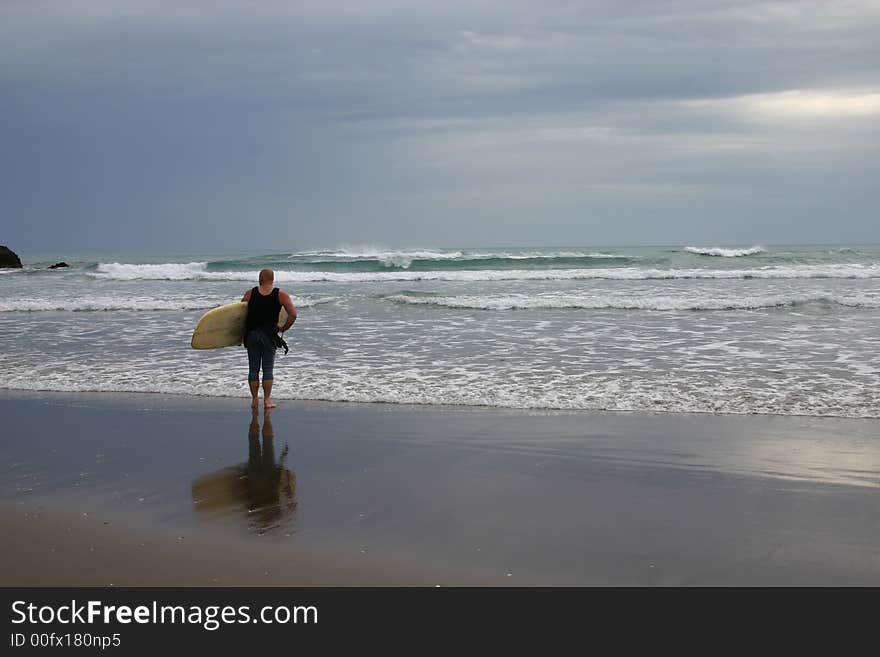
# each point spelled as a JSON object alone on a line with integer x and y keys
{"x": 59, "y": 265}
{"x": 9, "y": 258}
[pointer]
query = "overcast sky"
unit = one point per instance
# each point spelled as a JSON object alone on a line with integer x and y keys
{"x": 214, "y": 125}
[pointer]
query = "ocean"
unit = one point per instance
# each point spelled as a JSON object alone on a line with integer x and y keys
{"x": 694, "y": 329}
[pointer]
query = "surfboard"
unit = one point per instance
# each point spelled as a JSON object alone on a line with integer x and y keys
{"x": 224, "y": 326}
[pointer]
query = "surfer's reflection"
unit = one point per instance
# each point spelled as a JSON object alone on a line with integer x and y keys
{"x": 263, "y": 488}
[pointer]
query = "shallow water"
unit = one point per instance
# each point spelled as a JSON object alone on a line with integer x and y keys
{"x": 778, "y": 330}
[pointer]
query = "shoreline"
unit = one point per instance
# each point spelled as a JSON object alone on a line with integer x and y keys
{"x": 381, "y": 494}
{"x": 413, "y": 406}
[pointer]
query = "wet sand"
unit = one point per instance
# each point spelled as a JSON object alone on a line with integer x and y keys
{"x": 109, "y": 489}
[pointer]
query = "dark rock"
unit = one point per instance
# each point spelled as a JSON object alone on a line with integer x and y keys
{"x": 59, "y": 265}
{"x": 9, "y": 258}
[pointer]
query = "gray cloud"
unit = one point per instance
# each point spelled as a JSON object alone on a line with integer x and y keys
{"x": 221, "y": 125}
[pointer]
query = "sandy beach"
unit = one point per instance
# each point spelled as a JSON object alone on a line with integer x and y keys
{"x": 113, "y": 489}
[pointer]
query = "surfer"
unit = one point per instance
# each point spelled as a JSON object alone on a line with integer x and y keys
{"x": 260, "y": 334}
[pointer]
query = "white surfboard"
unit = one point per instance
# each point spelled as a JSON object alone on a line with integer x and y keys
{"x": 224, "y": 326}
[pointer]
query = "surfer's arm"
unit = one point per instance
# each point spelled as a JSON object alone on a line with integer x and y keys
{"x": 247, "y": 296}
{"x": 284, "y": 298}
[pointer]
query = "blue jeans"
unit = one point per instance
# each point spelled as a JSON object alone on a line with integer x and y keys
{"x": 261, "y": 353}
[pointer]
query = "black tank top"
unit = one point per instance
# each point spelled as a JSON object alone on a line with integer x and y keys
{"x": 263, "y": 310}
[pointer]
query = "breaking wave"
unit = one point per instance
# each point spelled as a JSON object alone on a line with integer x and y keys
{"x": 724, "y": 253}
{"x": 431, "y": 260}
{"x": 200, "y": 271}
{"x": 169, "y": 271}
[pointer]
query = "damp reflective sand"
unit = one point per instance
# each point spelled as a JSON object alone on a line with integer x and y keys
{"x": 151, "y": 489}
{"x": 263, "y": 489}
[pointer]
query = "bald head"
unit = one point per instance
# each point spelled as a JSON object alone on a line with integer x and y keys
{"x": 266, "y": 276}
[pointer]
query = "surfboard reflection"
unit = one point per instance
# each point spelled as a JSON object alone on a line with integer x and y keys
{"x": 263, "y": 489}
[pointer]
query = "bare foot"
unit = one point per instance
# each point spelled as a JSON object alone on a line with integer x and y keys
{"x": 270, "y": 404}
{"x": 255, "y": 403}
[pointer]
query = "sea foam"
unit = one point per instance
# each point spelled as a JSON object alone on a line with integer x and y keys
{"x": 722, "y": 252}
{"x": 647, "y": 302}
{"x": 132, "y": 303}
{"x": 169, "y": 271}
{"x": 405, "y": 259}
{"x": 198, "y": 271}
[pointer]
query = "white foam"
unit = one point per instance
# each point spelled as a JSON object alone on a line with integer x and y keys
{"x": 376, "y": 253}
{"x": 616, "y": 273}
{"x": 648, "y": 302}
{"x": 100, "y": 303}
{"x": 196, "y": 271}
{"x": 724, "y": 253}
{"x": 389, "y": 258}
{"x": 406, "y": 257}
{"x": 819, "y": 364}
{"x": 133, "y": 303}
{"x": 170, "y": 271}
{"x": 325, "y": 381}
